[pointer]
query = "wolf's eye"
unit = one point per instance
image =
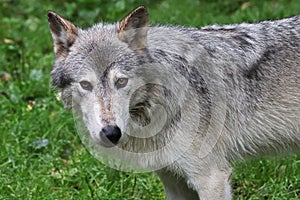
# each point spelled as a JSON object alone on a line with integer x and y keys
{"x": 121, "y": 82}
{"x": 86, "y": 85}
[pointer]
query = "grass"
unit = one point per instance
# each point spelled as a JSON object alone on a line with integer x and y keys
{"x": 41, "y": 156}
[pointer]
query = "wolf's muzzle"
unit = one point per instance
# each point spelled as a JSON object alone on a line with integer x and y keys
{"x": 110, "y": 135}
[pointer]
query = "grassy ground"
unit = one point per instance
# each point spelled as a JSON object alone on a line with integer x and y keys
{"x": 41, "y": 156}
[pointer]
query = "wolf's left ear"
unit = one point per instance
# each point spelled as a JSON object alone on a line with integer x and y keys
{"x": 133, "y": 28}
{"x": 63, "y": 32}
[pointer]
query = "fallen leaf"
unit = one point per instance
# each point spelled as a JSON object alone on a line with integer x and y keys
{"x": 4, "y": 76}
{"x": 8, "y": 41}
{"x": 245, "y": 5}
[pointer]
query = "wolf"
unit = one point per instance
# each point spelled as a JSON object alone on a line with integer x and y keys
{"x": 182, "y": 101}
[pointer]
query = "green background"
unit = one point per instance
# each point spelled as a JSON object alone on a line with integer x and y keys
{"x": 31, "y": 113}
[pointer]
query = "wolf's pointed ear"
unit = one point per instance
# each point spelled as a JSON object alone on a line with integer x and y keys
{"x": 133, "y": 28}
{"x": 63, "y": 32}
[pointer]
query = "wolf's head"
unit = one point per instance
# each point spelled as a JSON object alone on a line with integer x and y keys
{"x": 107, "y": 73}
{"x": 134, "y": 87}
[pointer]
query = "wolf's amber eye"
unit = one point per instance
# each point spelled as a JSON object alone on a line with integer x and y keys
{"x": 121, "y": 82}
{"x": 86, "y": 85}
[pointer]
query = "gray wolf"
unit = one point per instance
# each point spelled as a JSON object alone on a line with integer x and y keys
{"x": 210, "y": 96}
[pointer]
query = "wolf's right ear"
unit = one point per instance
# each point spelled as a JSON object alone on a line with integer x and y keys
{"x": 133, "y": 29}
{"x": 63, "y": 32}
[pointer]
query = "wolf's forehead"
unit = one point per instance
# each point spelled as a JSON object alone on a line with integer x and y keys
{"x": 102, "y": 61}
{"x": 100, "y": 49}
{"x": 100, "y": 32}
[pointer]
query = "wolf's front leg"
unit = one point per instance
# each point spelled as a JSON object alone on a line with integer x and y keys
{"x": 214, "y": 185}
{"x": 176, "y": 187}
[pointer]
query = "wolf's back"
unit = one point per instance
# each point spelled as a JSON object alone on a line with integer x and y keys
{"x": 259, "y": 65}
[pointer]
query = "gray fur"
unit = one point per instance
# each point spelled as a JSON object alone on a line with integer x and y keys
{"x": 251, "y": 70}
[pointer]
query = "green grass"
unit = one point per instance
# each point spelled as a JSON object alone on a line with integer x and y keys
{"x": 30, "y": 112}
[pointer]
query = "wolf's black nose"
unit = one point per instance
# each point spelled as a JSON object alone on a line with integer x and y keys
{"x": 110, "y": 135}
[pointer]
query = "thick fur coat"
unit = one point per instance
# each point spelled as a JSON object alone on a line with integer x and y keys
{"x": 215, "y": 94}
